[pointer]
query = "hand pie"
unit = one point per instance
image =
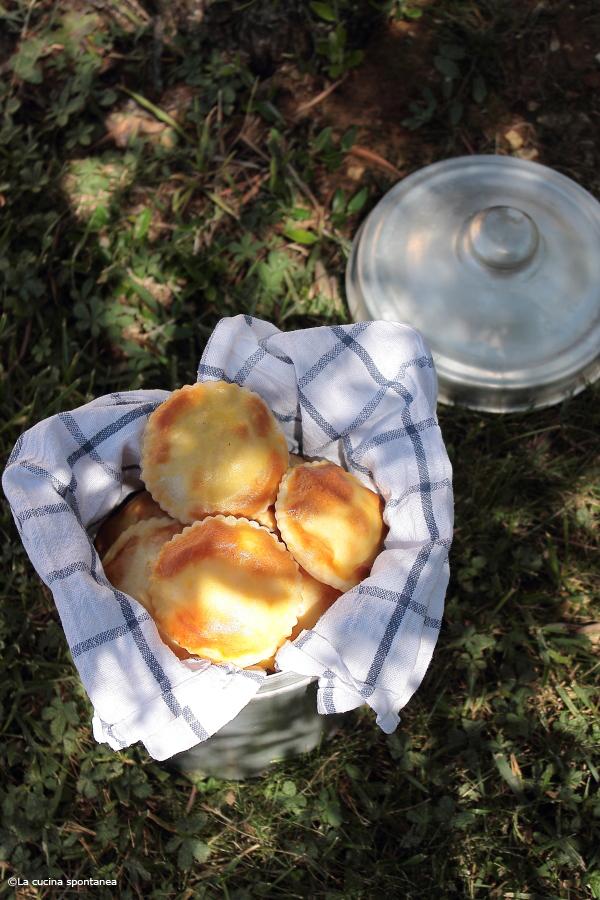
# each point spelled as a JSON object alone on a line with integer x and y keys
{"x": 141, "y": 507}
{"x": 267, "y": 519}
{"x": 227, "y": 590}
{"x": 332, "y": 525}
{"x": 213, "y": 448}
{"x": 316, "y": 600}
{"x": 128, "y": 563}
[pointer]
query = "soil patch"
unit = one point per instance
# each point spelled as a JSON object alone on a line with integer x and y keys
{"x": 538, "y": 61}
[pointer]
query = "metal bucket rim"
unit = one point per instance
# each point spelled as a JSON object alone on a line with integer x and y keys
{"x": 282, "y": 683}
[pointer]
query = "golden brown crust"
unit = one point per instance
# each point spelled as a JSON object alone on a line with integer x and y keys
{"x": 128, "y": 562}
{"x": 330, "y": 522}
{"x": 213, "y": 448}
{"x": 316, "y": 600}
{"x": 227, "y": 590}
{"x": 141, "y": 507}
{"x": 267, "y": 520}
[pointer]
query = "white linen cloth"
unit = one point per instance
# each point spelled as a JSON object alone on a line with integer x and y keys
{"x": 362, "y": 396}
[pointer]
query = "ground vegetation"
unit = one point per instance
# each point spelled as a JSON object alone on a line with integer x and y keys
{"x": 165, "y": 165}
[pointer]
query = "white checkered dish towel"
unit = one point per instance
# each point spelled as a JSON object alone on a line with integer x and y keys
{"x": 362, "y": 396}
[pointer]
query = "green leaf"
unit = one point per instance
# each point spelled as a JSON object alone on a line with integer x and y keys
{"x": 331, "y": 814}
{"x": 358, "y": 201}
{"x": 221, "y": 204}
{"x": 413, "y": 861}
{"x": 300, "y": 214}
{"x": 269, "y": 112}
{"x": 8, "y": 843}
{"x": 353, "y": 58}
{"x": 301, "y": 236}
{"x": 512, "y": 781}
{"x": 324, "y": 11}
{"x": 196, "y": 823}
{"x": 333, "y": 159}
{"x": 592, "y": 879}
{"x": 142, "y": 790}
{"x": 464, "y": 818}
{"x": 339, "y": 200}
{"x": 107, "y": 830}
{"x": 156, "y": 111}
{"x": 71, "y": 714}
{"x": 137, "y": 871}
{"x": 87, "y": 787}
{"x": 348, "y": 139}
{"x": 322, "y": 140}
{"x": 36, "y": 807}
{"x": 412, "y": 13}
{"x": 24, "y": 63}
{"x": 554, "y": 564}
{"x": 142, "y": 224}
{"x": 172, "y": 843}
{"x": 200, "y": 851}
{"x": 452, "y": 51}
{"x": 446, "y": 66}
{"x": 57, "y": 717}
{"x": 144, "y": 294}
{"x": 108, "y": 97}
{"x": 192, "y": 849}
{"x": 98, "y": 219}
{"x": 340, "y": 36}
{"x": 272, "y": 272}
{"x": 245, "y": 248}
{"x": 415, "y": 781}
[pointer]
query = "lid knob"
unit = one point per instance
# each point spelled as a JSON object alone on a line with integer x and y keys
{"x": 503, "y": 237}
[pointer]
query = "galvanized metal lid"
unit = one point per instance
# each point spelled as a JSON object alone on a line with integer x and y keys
{"x": 496, "y": 260}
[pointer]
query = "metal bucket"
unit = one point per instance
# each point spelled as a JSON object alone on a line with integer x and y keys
{"x": 280, "y": 721}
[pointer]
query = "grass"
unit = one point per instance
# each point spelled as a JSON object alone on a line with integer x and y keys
{"x": 117, "y": 258}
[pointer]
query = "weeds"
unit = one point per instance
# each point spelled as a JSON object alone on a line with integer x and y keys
{"x": 132, "y": 220}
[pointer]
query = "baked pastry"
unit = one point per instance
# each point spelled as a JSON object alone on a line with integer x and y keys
{"x": 129, "y": 560}
{"x": 330, "y": 522}
{"x": 213, "y": 448}
{"x": 127, "y": 563}
{"x": 227, "y": 590}
{"x": 141, "y": 506}
{"x": 316, "y": 600}
{"x": 267, "y": 519}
